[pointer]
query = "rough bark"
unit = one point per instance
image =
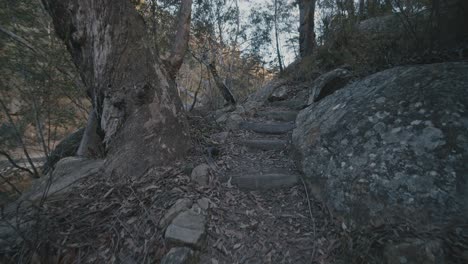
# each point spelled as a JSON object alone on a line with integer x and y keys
{"x": 91, "y": 143}
{"x": 181, "y": 38}
{"x": 306, "y": 27}
{"x": 227, "y": 94}
{"x": 137, "y": 107}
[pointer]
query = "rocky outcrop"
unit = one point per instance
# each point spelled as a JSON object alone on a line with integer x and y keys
{"x": 328, "y": 83}
{"x": 66, "y": 173}
{"x": 393, "y": 145}
{"x": 62, "y": 179}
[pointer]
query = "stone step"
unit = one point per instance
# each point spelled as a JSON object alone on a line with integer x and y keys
{"x": 268, "y": 128}
{"x": 293, "y": 104}
{"x": 263, "y": 181}
{"x": 278, "y": 115}
{"x": 265, "y": 144}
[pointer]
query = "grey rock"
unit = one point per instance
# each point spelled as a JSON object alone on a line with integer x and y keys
{"x": 66, "y": 148}
{"x": 280, "y": 93}
{"x": 327, "y": 84}
{"x": 187, "y": 228}
{"x": 414, "y": 251}
{"x": 381, "y": 24}
{"x": 286, "y": 116}
{"x": 268, "y": 128}
{"x": 262, "y": 94}
{"x": 180, "y": 255}
{"x": 233, "y": 121}
{"x": 293, "y": 104}
{"x": 201, "y": 174}
{"x": 222, "y": 118}
{"x": 392, "y": 144}
{"x": 265, "y": 144}
{"x": 204, "y": 203}
{"x": 178, "y": 207}
{"x": 66, "y": 173}
{"x": 252, "y": 106}
{"x": 187, "y": 168}
{"x": 264, "y": 181}
{"x": 62, "y": 179}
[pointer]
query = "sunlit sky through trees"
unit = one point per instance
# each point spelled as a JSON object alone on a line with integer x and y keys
{"x": 289, "y": 50}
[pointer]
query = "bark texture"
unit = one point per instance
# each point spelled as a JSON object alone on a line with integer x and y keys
{"x": 139, "y": 114}
{"x": 181, "y": 38}
{"x": 306, "y": 27}
{"x": 227, "y": 94}
{"x": 91, "y": 142}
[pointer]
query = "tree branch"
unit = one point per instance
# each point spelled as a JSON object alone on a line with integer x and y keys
{"x": 14, "y": 164}
{"x": 34, "y": 173}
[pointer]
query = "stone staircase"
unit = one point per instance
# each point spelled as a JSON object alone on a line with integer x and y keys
{"x": 265, "y": 140}
{"x": 256, "y": 157}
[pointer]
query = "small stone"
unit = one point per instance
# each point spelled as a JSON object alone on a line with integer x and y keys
{"x": 204, "y": 203}
{"x": 279, "y": 94}
{"x": 200, "y": 174}
{"x": 222, "y": 118}
{"x": 188, "y": 228}
{"x": 187, "y": 168}
{"x": 380, "y": 100}
{"x": 233, "y": 121}
{"x": 179, "y": 206}
{"x": 179, "y": 255}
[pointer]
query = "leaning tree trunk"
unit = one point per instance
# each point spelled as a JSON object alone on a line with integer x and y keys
{"x": 181, "y": 39}
{"x": 227, "y": 94}
{"x": 306, "y": 27}
{"x": 139, "y": 116}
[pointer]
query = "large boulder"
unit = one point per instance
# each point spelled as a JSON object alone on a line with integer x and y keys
{"x": 62, "y": 179}
{"x": 393, "y": 145}
{"x": 65, "y": 174}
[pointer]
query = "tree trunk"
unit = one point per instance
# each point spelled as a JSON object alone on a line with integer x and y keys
{"x": 90, "y": 145}
{"x": 361, "y": 9}
{"x": 181, "y": 38}
{"x": 306, "y": 27}
{"x": 138, "y": 111}
{"x": 371, "y": 8}
{"x": 227, "y": 94}
{"x": 278, "y": 53}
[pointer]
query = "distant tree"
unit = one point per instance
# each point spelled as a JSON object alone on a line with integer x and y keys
{"x": 275, "y": 19}
{"x": 307, "y": 27}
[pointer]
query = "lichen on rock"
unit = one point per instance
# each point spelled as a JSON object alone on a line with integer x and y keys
{"x": 391, "y": 145}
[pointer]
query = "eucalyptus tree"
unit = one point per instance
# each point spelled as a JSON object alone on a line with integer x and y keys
{"x": 139, "y": 116}
{"x": 268, "y": 23}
